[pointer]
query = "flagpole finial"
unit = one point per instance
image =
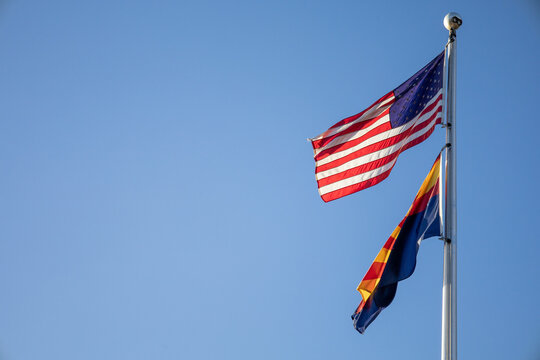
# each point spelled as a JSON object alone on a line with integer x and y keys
{"x": 452, "y": 21}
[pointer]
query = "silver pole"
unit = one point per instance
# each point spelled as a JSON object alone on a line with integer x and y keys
{"x": 452, "y": 22}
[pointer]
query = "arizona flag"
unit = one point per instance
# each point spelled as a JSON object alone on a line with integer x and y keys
{"x": 397, "y": 259}
{"x": 361, "y": 150}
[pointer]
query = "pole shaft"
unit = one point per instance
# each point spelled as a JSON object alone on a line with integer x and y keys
{"x": 449, "y": 293}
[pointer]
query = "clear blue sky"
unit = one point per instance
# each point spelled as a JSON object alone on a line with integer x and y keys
{"x": 157, "y": 193}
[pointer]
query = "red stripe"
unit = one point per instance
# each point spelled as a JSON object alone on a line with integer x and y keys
{"x": 383, "y": 144}
{"x": 377, "y": 267}
{"x": 354, "y": 117}
{"x": 420, "y": 203}
{"x": 425, "y": 123}
{"x": 378, "y": 145}
{"x": 419, "y": 139}
{"x": 360, "y": 307}
{"x": 374, "y": 271}
{"x": 364, "y": 151}
{"x": 321, "y": 143}
{"x": 373, "y": 165}
{"x": 432, "y": 105}
{"x": 336, "y": 194}
{"x": 386, "y": 126}
{"x": 389, "y": 244}
{"x": 318, "y": 144}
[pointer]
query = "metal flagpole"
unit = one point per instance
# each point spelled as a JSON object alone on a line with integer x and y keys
{"x": 452, "y": 21}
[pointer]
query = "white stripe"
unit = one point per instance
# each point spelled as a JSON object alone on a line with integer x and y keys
{"x": 339, "y": 140}
{"x": 373, "y": 173}
{"x": 377, "y": 154}
{"x": 356, "y": 179}
{"x": 379, "y": 137}
{"x": 352, "y": 136}
{"x": 372, "y": 112}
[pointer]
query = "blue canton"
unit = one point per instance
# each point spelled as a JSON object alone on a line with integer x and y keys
{"x": 414, "y": 94}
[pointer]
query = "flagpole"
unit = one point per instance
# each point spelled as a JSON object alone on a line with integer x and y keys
{"x": 452, "y": 21}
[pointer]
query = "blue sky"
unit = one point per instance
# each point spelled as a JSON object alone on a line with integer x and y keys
{"x": 157, "y": 193}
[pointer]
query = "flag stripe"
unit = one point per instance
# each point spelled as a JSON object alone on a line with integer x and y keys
{"x": 384, "y": 100}
{"x": 363, "y": 128}
{"x": 430, "y": 181}
{"x": 374, "y": 270}
{"x": 345, "y": 178}
{"x": 373, "y": 276}
{"x": 363, "y": 174}
{"x": 347, "y": 190}
{"x": 394, "y": 146}
{"x": 376, "y": 135}
{"x": 328, "y": 142}
{"x": 377, "y": 107}
{"x": 421, "y": 202}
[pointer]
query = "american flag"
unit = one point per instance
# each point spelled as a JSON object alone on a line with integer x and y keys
{"x": 361, "y": 150}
